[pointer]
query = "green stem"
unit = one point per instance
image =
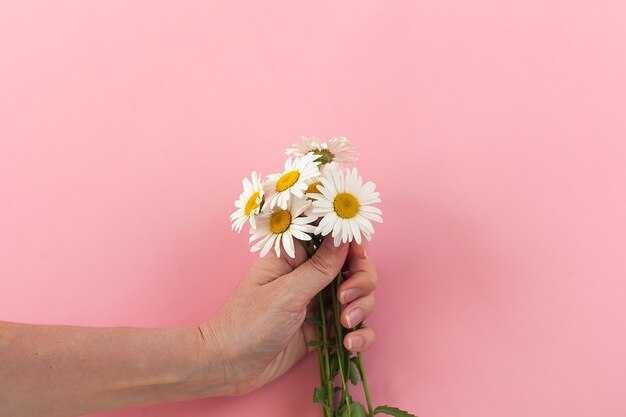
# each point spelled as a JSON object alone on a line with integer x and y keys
{"x": 360, "y": 363}
{"x": 364, "y": 381}
{"x": 320, "y": 361}
{"x": 329, "y": 383}
{"x": 339, "y": 346}
{"x": 320, "y": 333}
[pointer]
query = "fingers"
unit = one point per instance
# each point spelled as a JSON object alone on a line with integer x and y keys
{"x": 358, "y": 250}
{"x": 359, "y": 340}
{"x": 362, "y": 279}
{"x": 357, "y": 291}
{"x": 357, "y": 311}
{"x": 315, "y": 274}
{"x": 270, "y": 267}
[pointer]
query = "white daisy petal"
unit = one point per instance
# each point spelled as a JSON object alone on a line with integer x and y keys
{"x": 337, "y": 228}
{"x": 337, "y": 149}
{"x": 288, "y": 244}
{"x": 372, "y": 216}
{"x": 260, "y": 244}
{"x": 268, "y": 245}
{"x": 371, "y": 209}
{"x": 277, "y": 245}
{"x": 354, "y": 227}
{"x": 371, "y": 201}
{"x": 298, "y": 234}
{"x": 323, "y": 203}
{"x": 329, "y": 184}
{"x": 364, "y": 224}
{"x": 344, "y": 230}
{"x": 367, "y": 188}
{"x": 302, "y": 221}
{"x": 319, "y": 229}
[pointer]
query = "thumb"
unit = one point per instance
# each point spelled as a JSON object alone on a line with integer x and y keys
{"x": 304, "y": 282}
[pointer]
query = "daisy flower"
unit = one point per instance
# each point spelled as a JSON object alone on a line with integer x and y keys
{"x": 292, "y": 181}
{"x": 278, "y": 228}
{"x": 338, "y": 149}
{"x": 249, "y": 203}
{"x": 345, "y": 207}
{"x": 325, "y": 171}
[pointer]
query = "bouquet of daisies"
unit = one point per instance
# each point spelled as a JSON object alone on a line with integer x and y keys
{"x": 318, "y": 194}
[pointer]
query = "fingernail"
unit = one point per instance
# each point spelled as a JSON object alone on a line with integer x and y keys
{"x": 361, "y": 252}
{"x": 355, "y": 316}
{"x": 365, "y": 246}
{"x": 348, "y": 295}
{"x": 355, "y": 342}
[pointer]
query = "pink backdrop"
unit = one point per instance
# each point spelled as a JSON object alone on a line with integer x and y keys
{"x": 495, "y": 131}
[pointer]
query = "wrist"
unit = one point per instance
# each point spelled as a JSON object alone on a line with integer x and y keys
{"x": 210, "y": 373}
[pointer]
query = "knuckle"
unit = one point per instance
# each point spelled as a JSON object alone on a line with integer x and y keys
{"x": 321, "y": 265}
{"x": 367, "y": 281}
{"x": 374, "y": 280}
{"x": 372, "y": 303}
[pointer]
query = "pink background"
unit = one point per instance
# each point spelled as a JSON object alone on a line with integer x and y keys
{"x": 494, "y": 129}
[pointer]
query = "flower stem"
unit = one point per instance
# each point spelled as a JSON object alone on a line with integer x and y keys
{"x": 339, "y": 346}
{"x": 320, "y": 361}
{"x": 329, "y": 383}
{"x": 364, "y": 381}
{"x": 322, "y": 350}
{"x": 360, "y": 364}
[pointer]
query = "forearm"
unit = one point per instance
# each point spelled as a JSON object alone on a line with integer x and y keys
{"x": 48, "y": 370}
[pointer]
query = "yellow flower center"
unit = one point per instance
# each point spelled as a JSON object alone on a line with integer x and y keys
{"x": 280, "y": 221}
{"x": 252, "y": 205}
{"x": 346, "y": 205}
{"x": 313, "y": 188}
{"x": 287, "y": 180}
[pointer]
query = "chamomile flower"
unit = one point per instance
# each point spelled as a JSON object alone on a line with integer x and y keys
{"x": 292, "y": 181}
{"x": 325, "y": 171}
{"x": 249, "y": 202}
{"x": 280, "y": 226}
{"x": 345, "y": 206}
{"x": 338, "y": 149}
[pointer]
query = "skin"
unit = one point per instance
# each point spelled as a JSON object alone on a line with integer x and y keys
{"x": 258, "y": 335}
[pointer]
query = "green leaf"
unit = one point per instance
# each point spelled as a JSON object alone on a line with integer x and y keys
{"x": 354, "y": 371}
{"x": 319, "y": 395}
{"x": 392, "y": 411}
{"x": 356, "y": 410}
{"x": 312, "y": 319}
{"x": 314, "y": 343}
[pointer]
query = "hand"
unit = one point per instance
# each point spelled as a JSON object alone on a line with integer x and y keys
{"x": 260, "y": 331}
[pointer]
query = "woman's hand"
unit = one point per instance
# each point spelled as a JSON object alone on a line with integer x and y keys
{"x": 260, "y": 331}
{"x": 257, "y": 336}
